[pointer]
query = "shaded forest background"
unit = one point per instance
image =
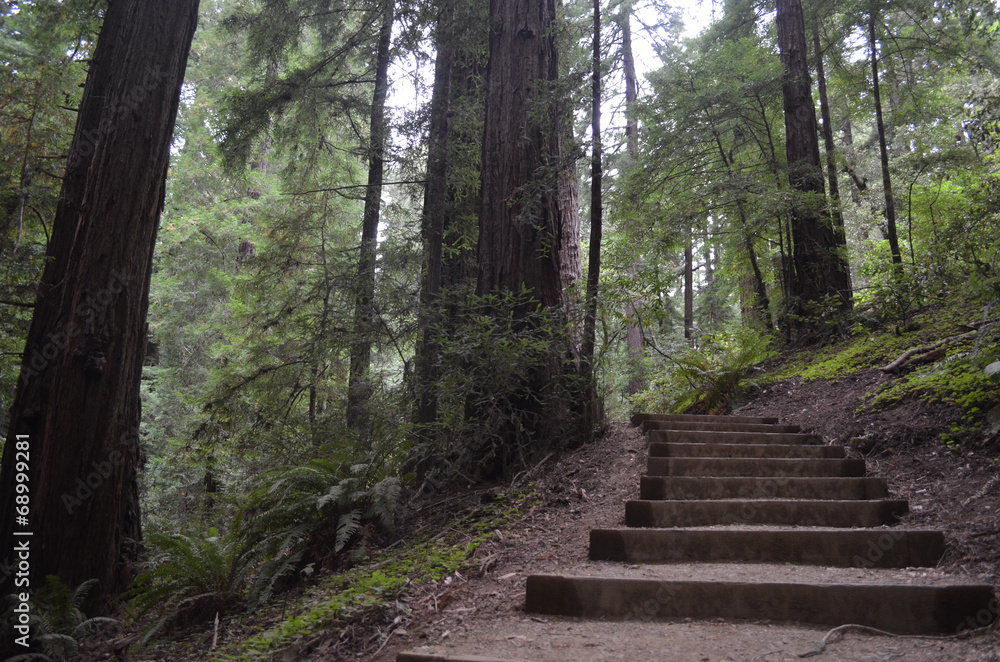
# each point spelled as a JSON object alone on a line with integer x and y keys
{"x": 380, "y": 273}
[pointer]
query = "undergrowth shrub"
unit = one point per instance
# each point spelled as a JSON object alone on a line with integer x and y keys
{"x": 311, "y": 512}
{"x": 894, "y": 294}
{"x": 190, "y": 578}
{"x": 709, "y": 379}
{"x": 56, "y": 621}
{"x": 314, "y": 511}
{"x": 507, "y": 391}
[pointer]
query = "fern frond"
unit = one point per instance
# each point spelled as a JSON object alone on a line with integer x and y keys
{"x": 347, "y": 526}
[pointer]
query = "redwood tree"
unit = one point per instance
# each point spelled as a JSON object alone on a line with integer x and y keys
{"x": 520, "y": 227}
{"x": 77, "y": 404}
{"x": 523, "y": 217}
{"x": 819, "y": 268}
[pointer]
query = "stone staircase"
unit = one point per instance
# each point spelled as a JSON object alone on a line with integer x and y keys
{"x": 745, "y": 490}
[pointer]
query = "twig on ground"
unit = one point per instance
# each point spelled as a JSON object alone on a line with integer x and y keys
{"x": 387, "y": 638}
{"x": 821, "y": 644}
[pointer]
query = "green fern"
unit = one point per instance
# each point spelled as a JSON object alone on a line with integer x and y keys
{"x": 190, "y": 577}
{"x": 57, "y": 622}
{"x": 316, "y": 509}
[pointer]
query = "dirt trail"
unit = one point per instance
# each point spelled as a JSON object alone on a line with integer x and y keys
{"x": 587, "y": 489}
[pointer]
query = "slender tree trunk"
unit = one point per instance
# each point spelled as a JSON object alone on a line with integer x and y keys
{"x": 433, "y": 219}
{"x": 592, "y": 405}
{"x": 689, "y": 293}
{"x": 76, "y": 413}
{"x": 633, "y": 328}
{"x": 818, "y": 270}
{"x": 890, "y": 204}
{"x": 631, "y": 84}
{"x": 709, "y": 289}
{"x": 837, "y": 212}
{"x": 596, "y": 205}
{"x": 359, "y": 387}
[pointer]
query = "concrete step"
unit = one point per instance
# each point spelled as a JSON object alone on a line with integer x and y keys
{"x": 638, "y": 419}
{"x": 901, "y": 609}
{"x": 670, "y": 449}
{"x": 717, "y": 427}
{"x": 839, "y": 514}
{"x": 877, "y": 548}
{"x": 701, "y": 437}
{"x": 762, "y": 467}
{"x": 709, "y": 487}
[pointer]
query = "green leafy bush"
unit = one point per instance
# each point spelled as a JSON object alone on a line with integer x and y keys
{"x": 505, "y": 372}
{"x": 312, "y": 510}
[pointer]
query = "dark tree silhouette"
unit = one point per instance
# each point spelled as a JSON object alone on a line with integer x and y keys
{"x": 77, "y": 404}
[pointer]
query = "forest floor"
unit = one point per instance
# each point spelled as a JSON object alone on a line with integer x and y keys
{"x": 478, "y": 609}
{"x": 955, "y": 491}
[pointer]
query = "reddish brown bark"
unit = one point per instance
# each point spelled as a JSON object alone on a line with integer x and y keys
{"x": 77, "y": 401}
{"x": 520, "y": 226}
{"x": 818, "y": 268}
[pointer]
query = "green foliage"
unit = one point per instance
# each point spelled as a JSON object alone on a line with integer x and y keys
{"x": 709, "y": 379}
{"x": 378, "y": 585}
{"x": 503, "y": 367}
{"x": 190, "y": 577}
{"x": 873, "y": 342}
{"x": 316, "y": 511}
{"x": 56, "y": 622}
{"x": 962, "y": 379}
{"x": 43, "y": 49}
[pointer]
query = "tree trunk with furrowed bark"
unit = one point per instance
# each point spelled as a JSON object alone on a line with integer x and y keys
{"x": 77, "y": 406}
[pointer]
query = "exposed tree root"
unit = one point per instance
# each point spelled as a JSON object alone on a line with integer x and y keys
{"x": 927, "y": 353}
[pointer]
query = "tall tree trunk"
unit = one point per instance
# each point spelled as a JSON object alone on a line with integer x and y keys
{"x": 890, "y": 204}
{"x": 689, "y": 292}
{"x": 837, "y": 212}
{"x": 433, "y": 218}
{"x": 592, "y": 403}
{"x": 521, "y": 233}
{"x": 359, "y": 387}
{"x": 76, "y": 414}
{"x": 633, "y": 329}
{"x": 818, "y": 267}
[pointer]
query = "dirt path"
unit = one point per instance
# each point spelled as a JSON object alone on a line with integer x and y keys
{"x": 588, "y": 488}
